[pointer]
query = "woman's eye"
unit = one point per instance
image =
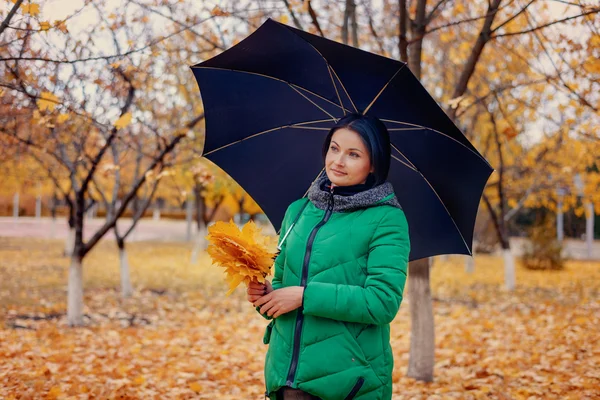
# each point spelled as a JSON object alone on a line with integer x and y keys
{"x": 333, "y": 148}
{"x": 354, "y": 154}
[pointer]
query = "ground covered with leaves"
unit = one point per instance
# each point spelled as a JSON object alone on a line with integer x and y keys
{"x": 179, "y": 337}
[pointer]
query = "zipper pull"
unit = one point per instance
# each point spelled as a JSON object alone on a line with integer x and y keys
{"x": 331, "y": 200}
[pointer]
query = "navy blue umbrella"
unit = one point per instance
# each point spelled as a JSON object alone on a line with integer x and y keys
{"x": 270, "y": 100}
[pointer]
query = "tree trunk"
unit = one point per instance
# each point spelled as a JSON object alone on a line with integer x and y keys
{"x": 75, "y": 292}
{"x": 156, "y": 213}
{"x": 509, "y": 267}
{"x": 470, "y": 264}
{"x": 16, "y": 206}
{"x": 422, "y": 334}
{"x": 188, "y": 218}
{"x": 200, "y": 206}
{"x": 38, "y": 207}
{"x": 70, "y": 242}
{"x": 53, "y": 203}
{"x": 560, "y": 224}
{"x": 200, "y": 244}
{"x": 589, "y": 229}
{"x": 126, "y": 288}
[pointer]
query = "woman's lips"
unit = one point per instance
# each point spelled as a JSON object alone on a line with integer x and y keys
{"x": 338, "y": 173}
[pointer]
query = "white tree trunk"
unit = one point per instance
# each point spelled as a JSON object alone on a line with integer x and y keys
{"x": 199, "y": 245}
{"x": 589, "y": 229}
{"x": 53, "y": 228}
{"x": 75, "y": 293}
{"x": 422, "y": 335}
{"x": 126, "y": 289}
{"x": 470, "y": 264}
{"x": 189, "y": 211}
{"x": 560, "y": 224}
{"x": 70, "y": 242}
{"x": 16, "y": 206}
{"x": 156, "y": 214}
{"x": 509, "y": 269}
{"x": 38, "y": 207}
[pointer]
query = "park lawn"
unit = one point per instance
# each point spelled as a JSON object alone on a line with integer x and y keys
{"x": 179, "y": 336}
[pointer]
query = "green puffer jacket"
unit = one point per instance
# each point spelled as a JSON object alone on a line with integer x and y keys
{"x": 351, "y": 255}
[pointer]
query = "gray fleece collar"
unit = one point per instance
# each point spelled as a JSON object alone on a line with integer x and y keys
{"x": 364, "y": 199}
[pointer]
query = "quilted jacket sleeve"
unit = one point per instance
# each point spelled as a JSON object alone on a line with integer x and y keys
{"x": 279, "y": 260}
{"x": 379, "y": 300}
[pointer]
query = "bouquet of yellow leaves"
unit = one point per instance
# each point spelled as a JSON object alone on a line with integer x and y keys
{"x": 245, "y": 254}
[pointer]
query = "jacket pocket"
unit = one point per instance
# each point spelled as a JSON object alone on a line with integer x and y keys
{"x": 268, "y": 330}
{"x": 355, "y": 389}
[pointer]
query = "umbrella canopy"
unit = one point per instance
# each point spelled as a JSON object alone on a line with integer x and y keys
{"x": 270, "y": 101}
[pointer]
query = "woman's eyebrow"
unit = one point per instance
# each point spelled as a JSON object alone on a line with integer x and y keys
{"x": 333, "y": 141}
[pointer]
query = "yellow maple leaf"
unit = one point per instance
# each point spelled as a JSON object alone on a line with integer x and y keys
{"x": 47, "y": 101}
{"x": 62, "y": 118}
{"x": 123, "y": 121}
{"x": 245, "y": 254}
{"x": 44, "y": 25}
{"x": 61, "y": 26}
{"x": 32, "y": 9}
{"x": 196, "y": 387}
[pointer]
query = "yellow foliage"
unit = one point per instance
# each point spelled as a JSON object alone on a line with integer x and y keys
{"x": 47, "y": 101}
{"x": 123, "y": 121}
{"x": 31, "y": 9}
{"x": 246, "y": 255}
{"x": 62, "y": 118}
{"x": 44, "y": 25}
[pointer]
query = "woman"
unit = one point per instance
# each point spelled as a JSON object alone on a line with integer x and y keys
{"x": 339, "y": 277}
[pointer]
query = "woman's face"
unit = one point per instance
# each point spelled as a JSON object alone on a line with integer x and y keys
{"x": 348, "y": 161}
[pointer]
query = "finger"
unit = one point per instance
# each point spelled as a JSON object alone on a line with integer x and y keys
{"x": 255, "y": 291}
{"x": 263, "y": 300}
{"x": 273, "y": 311}
{"x": 252, "y": 298}
{"x": 265, "y": 308}
{"x": 256, "y": 285}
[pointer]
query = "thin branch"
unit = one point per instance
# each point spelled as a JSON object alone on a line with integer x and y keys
{"x": 293, "y": 14}
{"x": 113, "y": 133}
{"x": 11, "y": 14}
{"x": 132, "y": 192}
{"x": 513, "y": 16}
{"x": 537, "y": 28}
{"x": 313, "y": 17}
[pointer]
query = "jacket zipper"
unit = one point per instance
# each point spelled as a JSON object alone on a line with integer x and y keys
{"x": 300, "y": 316}
{"x": 355, "y": 389}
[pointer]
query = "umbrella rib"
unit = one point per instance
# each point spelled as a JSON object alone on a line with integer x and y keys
{"x": 343, "y": 87}
{"x": 310, "y": 127}
{"x": 382, "y": 89}
{"x": 436, "y": 131}
{"x": 262, "y": 133}
{"x": 314, "y": 122}
{"x": 330, "y": 69}
{"x": 313, "y": 103}
{"x": 439, "y": 198}
{"x": 336, "y": 90}
{"x": 404, "y": 163}
{"x": 279, "y": 80}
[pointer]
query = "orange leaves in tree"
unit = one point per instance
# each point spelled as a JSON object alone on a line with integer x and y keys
{"x": 31, "y": 9}
{"x": 47, "y": 101}
{"x": 123, "y": 121}
{"x": 246, "y": 255}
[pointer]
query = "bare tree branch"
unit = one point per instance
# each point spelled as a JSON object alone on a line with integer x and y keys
{"x": 293, "y": 14}
{"x": 537, "y": 28}
{"x": 313, "y": 17}
{"x": 10, "y": 15}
